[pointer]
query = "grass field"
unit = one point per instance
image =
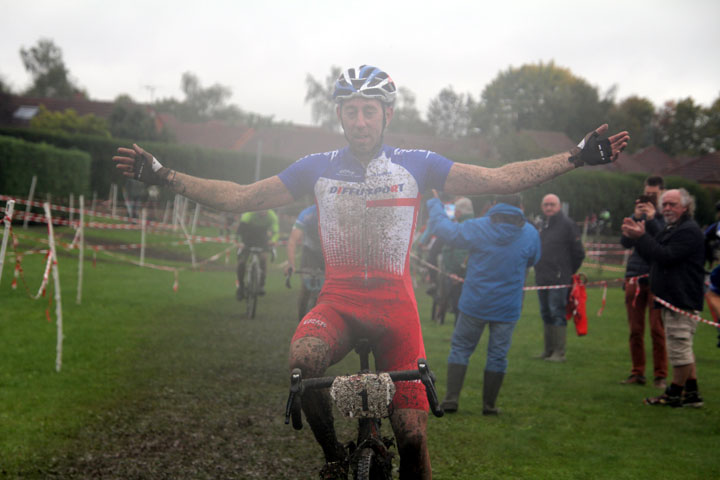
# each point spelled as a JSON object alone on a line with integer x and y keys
{"x": 163, "y": 384}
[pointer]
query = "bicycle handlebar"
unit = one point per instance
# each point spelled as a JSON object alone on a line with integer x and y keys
{"x": 298, "y": 385}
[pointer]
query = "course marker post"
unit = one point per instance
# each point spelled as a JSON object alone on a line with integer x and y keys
{"x": 7, "y": 221}
{"x": 81, "y": 244}
{"x": 58, "y": 299}
{"x": 142, "y": 236}
{"x": 113, "y": 198}
{"x": 33, "y": 183}
{"x": 188, "y": 238}
{"x": 195, "y": 219}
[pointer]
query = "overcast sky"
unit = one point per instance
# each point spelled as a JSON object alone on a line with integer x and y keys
{"x": 263, "y": 50}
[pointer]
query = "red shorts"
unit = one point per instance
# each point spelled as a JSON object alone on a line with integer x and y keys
{"x": 387, "y": 316}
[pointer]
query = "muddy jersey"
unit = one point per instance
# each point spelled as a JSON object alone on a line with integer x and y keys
{"x": 367, "y": 215}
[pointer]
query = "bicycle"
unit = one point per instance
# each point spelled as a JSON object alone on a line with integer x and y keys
{"x": 313, "y": 280}
{"x": 252, "y": 279}
{"x": 367, "y": 397}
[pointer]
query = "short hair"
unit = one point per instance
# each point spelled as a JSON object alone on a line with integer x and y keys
{"x": 686, "y": 200}
{"x": 655, "y": 181}
{"x": 464, "y": 206}
{"x": 515, "y": 199}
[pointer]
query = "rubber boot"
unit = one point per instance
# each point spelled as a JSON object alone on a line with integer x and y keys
{"x": 455, "y": 379}
{"x": 548, "y": 344}
{"x": 558, "y": 344}
{"x": 492, "y": 382}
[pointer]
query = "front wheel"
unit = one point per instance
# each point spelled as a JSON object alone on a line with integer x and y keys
{"x": 252, "y": 287}
{"x": 371, "y": 467}
{"x": 364, "y": 464}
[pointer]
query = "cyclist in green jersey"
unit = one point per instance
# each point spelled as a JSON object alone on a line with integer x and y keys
{"x": 256, "y": 229}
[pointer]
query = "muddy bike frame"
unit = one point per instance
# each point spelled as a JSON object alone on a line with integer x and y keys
{"x": 252, "y": 278}
{"x": 370, "y": 457}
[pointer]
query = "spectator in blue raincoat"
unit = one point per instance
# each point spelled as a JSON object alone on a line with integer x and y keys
{"x": 502, "y": 246}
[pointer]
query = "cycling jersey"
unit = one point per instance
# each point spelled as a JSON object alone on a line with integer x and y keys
{"x": 307, "y": 222}
{"x": 254, "y": 228}
{"x": 367, "y": 215}
{"x": 366, "y": 218}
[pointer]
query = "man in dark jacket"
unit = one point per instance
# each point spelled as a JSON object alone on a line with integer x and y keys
{"x": 676, "y": 257}
{"x": 562, "y": 255}
{"x": 502, "y": 245}
{"x": 638, "y": 297}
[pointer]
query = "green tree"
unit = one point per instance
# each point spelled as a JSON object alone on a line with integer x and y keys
{"x": 207, "y": 103}
{"x": 69, "y": 122}
{"x": 319, "y": 95}
{"x": 4, "y": 87}
{"x": 130, "y": 120}
{"x": 680, "y": 127}
{"x": 711, "y": 130}
{"x": 51, "y": 79}
{"x": 406, "y": 118}
{"x": 637, "y": 116}
{"x": 449, "y": 114}
{"x": 540, "y": 97}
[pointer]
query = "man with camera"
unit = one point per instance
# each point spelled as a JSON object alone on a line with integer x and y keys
{"x": 638, "y": 297}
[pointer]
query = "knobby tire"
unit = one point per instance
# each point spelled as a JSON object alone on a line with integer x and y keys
{"x": 364, "y": 464}
{"x": 370, "y": 467}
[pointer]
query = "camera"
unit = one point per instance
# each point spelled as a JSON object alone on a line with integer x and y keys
{"x": 646, "y": 199}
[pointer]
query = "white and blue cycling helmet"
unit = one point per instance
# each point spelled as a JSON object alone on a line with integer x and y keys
{"x": 367, "y": 82}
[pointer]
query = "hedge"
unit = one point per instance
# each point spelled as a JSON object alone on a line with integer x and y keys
{"x": 59, "y": 171}
{"x": 589, "y": 191}
{"x": 208, "y": 163}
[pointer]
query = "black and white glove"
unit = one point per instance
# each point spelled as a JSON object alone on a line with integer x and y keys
{"x": 145, "y": 169}
{"x": 592, "y": 150}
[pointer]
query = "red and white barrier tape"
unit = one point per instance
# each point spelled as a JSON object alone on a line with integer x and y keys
{"x": 95, "y": 213}
{"x": 604, "y": 245}
{"x": 606, "y": 253}
{"x": 672, "y": 307}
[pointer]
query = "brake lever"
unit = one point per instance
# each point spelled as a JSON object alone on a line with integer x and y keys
{"x": 428, "y": 379}
{"x": 295, "y": 390}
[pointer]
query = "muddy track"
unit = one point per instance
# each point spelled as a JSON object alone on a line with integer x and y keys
{"x": 208, "y": 404}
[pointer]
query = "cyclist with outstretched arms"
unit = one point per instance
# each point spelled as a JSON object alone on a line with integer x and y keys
{"x": 368, "y": 195}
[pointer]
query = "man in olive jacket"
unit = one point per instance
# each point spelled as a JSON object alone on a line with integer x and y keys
{"x": 677, "y": 275}
{"x": 562, "y": 255}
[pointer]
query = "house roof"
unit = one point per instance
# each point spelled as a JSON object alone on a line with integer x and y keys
{"x": 650, "y": 160}
{"x": 704, "y": 170}
{"x": 210, "y": 134}
{"x": 10, "y": 104}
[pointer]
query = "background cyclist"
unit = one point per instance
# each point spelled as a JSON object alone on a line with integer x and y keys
{"x": 305, "y": 233}
{"x": 256, "y": 229}
{"x": 368, "y": 196}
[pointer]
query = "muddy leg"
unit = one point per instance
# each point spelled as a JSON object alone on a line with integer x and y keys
{"x": 312, "y": 356}
{"x": 410, "y": 427}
